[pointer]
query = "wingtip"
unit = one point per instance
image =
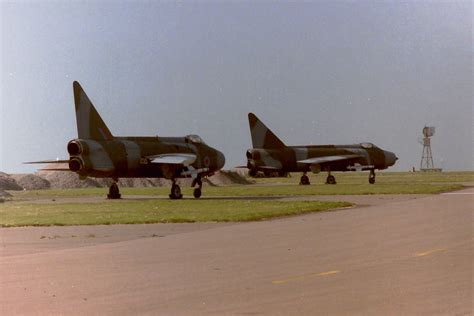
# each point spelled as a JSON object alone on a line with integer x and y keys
{"x": 76, "y": 85}
{"x": 252, "y": 118}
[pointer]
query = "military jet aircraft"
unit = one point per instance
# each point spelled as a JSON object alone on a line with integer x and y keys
{"x": 97, "y": 153}
{"x": 270, "y": 154}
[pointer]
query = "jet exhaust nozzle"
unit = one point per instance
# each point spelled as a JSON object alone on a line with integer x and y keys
{"x": 76, "y": 147}
{"x": 75, "y": 164}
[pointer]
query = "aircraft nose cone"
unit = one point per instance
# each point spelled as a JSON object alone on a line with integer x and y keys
{"x": 390, "y": 158}
{"x": 220, "y": 160}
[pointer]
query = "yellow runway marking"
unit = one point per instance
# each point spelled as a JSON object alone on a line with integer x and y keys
{"x": 305, "y": 276}
{"x": 430, "y": 252}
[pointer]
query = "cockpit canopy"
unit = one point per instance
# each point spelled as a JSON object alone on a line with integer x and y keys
{"x": 194, "y": 139}
{"x": 367, "y": 145}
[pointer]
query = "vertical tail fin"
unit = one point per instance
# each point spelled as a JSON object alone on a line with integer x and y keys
{"x": 262, "y": 136}
{"x": 89, "y": 123}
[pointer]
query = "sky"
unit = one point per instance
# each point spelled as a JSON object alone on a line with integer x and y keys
{"x": 317, "y": 72}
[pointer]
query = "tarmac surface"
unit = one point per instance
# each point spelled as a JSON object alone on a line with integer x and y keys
{"x": 398, "y": 255}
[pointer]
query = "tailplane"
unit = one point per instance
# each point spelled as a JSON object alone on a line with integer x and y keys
{"x": 89, "y": 123}
{"x": 262, "y": 136}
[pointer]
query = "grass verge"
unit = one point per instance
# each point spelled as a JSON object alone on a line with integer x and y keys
{"x": 358, "y": 178}
{"x": 155, "y": 211}
{"x": 257, "y": 190}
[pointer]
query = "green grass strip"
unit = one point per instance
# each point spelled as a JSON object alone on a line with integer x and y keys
{"x": 257, "y": 190}
{"x": 154, "y": 211}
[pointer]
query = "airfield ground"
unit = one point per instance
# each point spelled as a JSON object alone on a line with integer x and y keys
{"x": 388, "y": 254}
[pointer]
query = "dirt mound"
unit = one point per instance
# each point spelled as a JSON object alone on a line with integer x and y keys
{"x": 67, "y": 180}
{"x": 131, "y": 182}
{"x": 4, "y": 194}
{"x": 186, "y": 182}
{"x": 31, "y": 181}
{"x": 8, "y": 183}
{"x": 243, "y": 172}
{"x": 227, "y": 177}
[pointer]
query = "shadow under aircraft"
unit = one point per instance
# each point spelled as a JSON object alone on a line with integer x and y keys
{"x": 269, "y": 154}
{"x": 97, "y": 153}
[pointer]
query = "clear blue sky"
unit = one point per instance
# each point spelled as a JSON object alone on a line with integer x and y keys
{"x": 321, "y": 72}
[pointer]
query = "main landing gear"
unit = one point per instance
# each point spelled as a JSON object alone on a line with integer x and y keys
{"x": 372, "y": 176}
{"x": 330, "y": 179}
{"x": 114, "y": 192}
{"x": 304, "y": 180}
{"x": 175, "y": 191}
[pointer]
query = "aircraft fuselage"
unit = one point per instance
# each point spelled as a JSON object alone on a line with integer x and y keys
{"x": 128, "y": 157}
{"x": 286, "y": 159}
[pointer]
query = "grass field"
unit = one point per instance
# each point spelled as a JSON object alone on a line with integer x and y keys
{"x": 405, "y": 178}
{"x": 25, "y": 210}
{"x": 256, "y": 190}
{"x": 348, "y": 183}
{"x": 154, "y": 211}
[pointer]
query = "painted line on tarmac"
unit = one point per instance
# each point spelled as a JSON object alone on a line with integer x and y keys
{"x": 458, "y": 193}
{"x": 429, "y": 252}
{"x": 305, "y": 276}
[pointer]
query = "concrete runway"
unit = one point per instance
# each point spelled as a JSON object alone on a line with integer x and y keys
{"x": 402, "y": 257}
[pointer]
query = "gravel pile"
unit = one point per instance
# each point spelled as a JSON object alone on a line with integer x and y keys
{"x": 67, "y": 180}
{"x": 31, "y": 181}
{"x": 4, "y": 194}
{"x": 46, "y": 178}
{"x": 8, "y": 183}
{"x": 227, "y": 177}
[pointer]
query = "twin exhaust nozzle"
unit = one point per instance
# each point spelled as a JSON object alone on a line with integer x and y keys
{"x": 75, "y": 148}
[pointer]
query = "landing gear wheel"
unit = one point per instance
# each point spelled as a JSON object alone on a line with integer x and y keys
{"x": 197, "y": 193}
{"x": 114, "y": 192}
{"x": 175, "y": 192}
{"x": 330, "y": 180}
{"x": 304, "y": 180}
{"x": 372, "y": 177}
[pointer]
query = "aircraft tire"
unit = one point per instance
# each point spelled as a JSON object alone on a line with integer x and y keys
{"x": 175, "y": 192}
{"x": 304, "y": 180}
{"x": 114, "y": 192}
{"x": 197, "y": 193}
{"x": 372, "y": 177}
{"x": 330, "y": 180}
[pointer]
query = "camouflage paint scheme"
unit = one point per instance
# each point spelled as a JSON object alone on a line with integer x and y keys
{"x": 97, "y": 153}
{"x": 270, "y": 154}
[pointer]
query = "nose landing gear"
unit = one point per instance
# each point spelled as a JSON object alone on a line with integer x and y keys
{"x": 304, "y": 180}
{"x": 330, "y": 179}
{"x": 197, "y": 191}
{"x": 372, "y": 176}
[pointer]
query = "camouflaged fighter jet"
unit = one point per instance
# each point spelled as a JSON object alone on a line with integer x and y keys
{"x": 270, "y": 154}
{"x": 97, "y": 153}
